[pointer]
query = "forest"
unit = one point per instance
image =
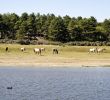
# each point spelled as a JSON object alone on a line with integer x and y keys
{"x": 53, "y": 28}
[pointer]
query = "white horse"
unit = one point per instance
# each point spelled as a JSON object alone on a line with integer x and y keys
{"x": 93, "y": 50}
{"x": 37, "y": 50}
{"x": 23, "y": 49}
{"x": 100, "y": 50}
{"x": 42, "y": 49}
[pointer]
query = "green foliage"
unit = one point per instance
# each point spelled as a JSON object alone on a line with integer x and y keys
{"x": 24, "y": 42}
{"x": 74, "y": 30}
{"x": 57, "y": 30}
{"x": 106, "y": 27}
{"x": 50, "y": 27}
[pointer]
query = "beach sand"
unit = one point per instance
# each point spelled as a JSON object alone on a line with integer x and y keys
{"x": 53, "y": 62}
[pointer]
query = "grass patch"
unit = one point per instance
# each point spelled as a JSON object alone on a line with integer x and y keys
{"x": 75, "y": 52}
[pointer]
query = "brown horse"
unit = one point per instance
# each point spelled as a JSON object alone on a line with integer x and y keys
{"x": 6, "y": 49}
{"x": 55, "y": 51}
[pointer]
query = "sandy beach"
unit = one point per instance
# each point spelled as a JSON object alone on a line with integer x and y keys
{"x": 53, "y": 62}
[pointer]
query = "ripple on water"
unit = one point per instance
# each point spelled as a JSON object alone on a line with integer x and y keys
{"x": 55, "y": 83}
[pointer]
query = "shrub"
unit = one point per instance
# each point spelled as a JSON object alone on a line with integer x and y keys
{"x": 24, "y": 42}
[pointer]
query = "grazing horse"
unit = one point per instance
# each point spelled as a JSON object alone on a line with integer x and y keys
{"x": 55, "y": 51}
{"x": 42, "y": 49}
{"x": 37, "y": 50}
{"x": 93, "y": 50}
{"x": 23, "y": 49}
{"x": 6, "y": 49}
{"x": 100, "y": 50}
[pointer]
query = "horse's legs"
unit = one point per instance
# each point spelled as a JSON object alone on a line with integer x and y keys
{"x": 40, "y": 52}
{"x": 56, "y": 51}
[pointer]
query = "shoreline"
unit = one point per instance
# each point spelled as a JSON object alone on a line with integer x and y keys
{"x": 75, "y": 63}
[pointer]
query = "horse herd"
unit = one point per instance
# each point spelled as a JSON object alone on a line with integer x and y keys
{"x": 96, "y": 50}
{"x": 37, "y": 50}
{"x": 56, "y": 51}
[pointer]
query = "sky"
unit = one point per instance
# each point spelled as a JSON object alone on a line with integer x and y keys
{"x": 100, "y": 9}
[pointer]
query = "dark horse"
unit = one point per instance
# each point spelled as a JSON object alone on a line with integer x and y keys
{"x": 6, "y": 49}
{"x": 55, "y": 51}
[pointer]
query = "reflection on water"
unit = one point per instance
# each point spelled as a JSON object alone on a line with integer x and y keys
{"x": 55, "y": 83}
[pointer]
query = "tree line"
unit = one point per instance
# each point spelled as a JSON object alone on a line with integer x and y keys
{"x": 51, "y": 27}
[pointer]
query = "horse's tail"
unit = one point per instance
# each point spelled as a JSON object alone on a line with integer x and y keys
{"x": 34, "y": 50}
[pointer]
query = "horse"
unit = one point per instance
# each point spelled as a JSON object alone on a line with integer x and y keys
{"x": 55, "y": 51}
{"x": 6, "y": 49}
{"x": 42, "y": 49}
{"x": 37, "y": 50}
{"x": 23, "y": 49}
{"x": 100, "y": 50}
{"x": 93, "y": 50}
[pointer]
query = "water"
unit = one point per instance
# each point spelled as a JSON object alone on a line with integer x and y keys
{"x": 55, "y": 83}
